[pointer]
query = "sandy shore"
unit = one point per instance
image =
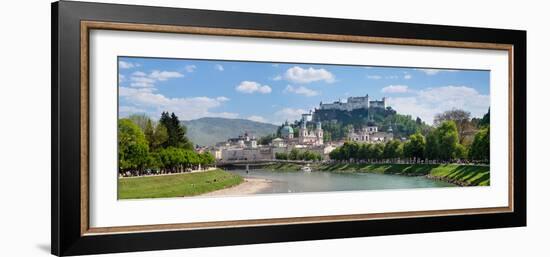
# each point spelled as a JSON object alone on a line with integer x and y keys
{"x": 248, "y": 187}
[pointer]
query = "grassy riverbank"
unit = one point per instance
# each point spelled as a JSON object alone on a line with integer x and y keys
{"x": 465, "y": 175}
{"x": 176, "y": 185}
{"x": 283, "y": 167}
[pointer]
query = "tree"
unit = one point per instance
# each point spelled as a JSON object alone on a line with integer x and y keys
{"x": 132, "y": 146}
{"x": 480, "y": 149}
{"x": 461, "y": 152}
{"x": 432, "y": 145}
{"x": 160, "y": 136}
{"x": 414, "y": 148}
{"x": 140, "y": 119}
{"x": 266, "y": 140}
{"x": 294, "y": 154}
{"x": 281, "y": 156}
{"x": 176, "y": 132}
{"x": 391, "y": 150}
{"x": 149, "y": 132}
{"x": 461, "y": 119}
{"x": 486, "y": 120}
{"x": 378, "y": 151}
{"x": 448, "y": 140}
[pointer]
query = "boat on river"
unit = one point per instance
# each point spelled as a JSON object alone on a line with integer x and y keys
{"x": 306, "y": 168}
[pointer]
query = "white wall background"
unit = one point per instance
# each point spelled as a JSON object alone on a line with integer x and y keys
{"x": 25, "y": 127}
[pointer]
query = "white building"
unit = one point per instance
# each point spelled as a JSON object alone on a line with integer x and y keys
{"x": 370, "y": 134}
{"x": 307, "y": 137}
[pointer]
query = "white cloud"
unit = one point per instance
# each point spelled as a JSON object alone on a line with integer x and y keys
{"x": 427, "y": 103}
{"x": 139, "y": 74}
{"x": 301, "y": 90}
{"x": 257, "y": 118}
{"x": 289, "y": 114}
{"x": 393, "y": 89}
{"x": 127, "y": 65}
{"x": 142, "y": 81}
{"x": 407, "y": 76}
{"x": 121, "y": 78}
{"x": 190, "y": 68}
{"x": 186, "y": 108}
{"x": 275, "y": 65}
{"x": 228, "y": 115}
{"x": 249, "y": 87}
{"x": 164, "y": 75}
{"x": 374, "y": 76}
{"x": 125, "y": 111}
{"x": 219, "y": 67}
{"x": 300, "y": 75}
{"x": 277, "y": 78}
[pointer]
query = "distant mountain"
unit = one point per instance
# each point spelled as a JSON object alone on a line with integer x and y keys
{"x": 209, "y": 131}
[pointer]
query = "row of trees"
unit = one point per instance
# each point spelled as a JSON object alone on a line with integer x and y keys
{"x": 441, "y": 144}
{"x": 296, "y": 154}
{"x": 146, "y": 146}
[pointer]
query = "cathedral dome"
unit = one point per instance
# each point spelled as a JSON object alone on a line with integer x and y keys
{"x": 287, "y": 130}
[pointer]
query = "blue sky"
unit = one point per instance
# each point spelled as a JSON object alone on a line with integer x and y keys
{"x": 275, "y": 92}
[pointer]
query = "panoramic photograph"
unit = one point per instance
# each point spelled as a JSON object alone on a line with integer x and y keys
{"x": 213, "y": 128}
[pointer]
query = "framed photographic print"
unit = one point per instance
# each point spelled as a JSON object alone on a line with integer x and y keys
{"x": 178, "y": 128}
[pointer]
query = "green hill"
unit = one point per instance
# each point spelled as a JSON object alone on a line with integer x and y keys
{"x": 209, "y": 131}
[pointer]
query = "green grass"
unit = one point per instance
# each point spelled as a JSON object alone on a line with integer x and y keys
{"x": 283, "y": 167}
{"x": 177, "y": 185}
{"x": 467, "y": 175}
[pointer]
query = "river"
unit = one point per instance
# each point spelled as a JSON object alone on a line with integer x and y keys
{"x": 319, "y": 181}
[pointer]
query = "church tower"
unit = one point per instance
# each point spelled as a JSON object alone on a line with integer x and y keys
{"x": 319, "y": 133}
{"x": 303, "y": 129}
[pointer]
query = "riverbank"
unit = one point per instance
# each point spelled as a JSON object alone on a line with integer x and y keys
{"x": 283, "y": 167}
{"x": 462, "y": 175}
{"x": 248, "y": 187}
{"x": 177, "y": 185}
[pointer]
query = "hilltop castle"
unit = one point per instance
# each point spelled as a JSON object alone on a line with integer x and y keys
{"x": 353, "y": 103}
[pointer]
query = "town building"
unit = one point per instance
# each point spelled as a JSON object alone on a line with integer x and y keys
{"x": 310, "y": 137}
{"x": 370, "y": 134}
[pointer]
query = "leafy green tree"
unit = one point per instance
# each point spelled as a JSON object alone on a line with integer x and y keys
{"x": 281, "y": 156}
{"x": 391, "y": 150}
{"x": 414, "y": 148}
{"x": 448, "y": 140}
{"x": 432, "y": 145}
{"x": 461, "y": 152}
{"x": 294, "y": 154}
{"x": 140, "y": 119}
{"x": 206, "y": 158}
{"x": 132, "y": 146}
{"x": 378, "y": 151}
{"x": 149, "y": 132}
{"x": 160, "y": 136}
{"x": 480, "y": 149}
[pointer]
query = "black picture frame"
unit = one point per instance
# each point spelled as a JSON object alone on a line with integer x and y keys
{"x": 66, "y": 235}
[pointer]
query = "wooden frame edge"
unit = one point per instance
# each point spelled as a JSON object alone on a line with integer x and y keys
{"x": 86, "y": 26}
